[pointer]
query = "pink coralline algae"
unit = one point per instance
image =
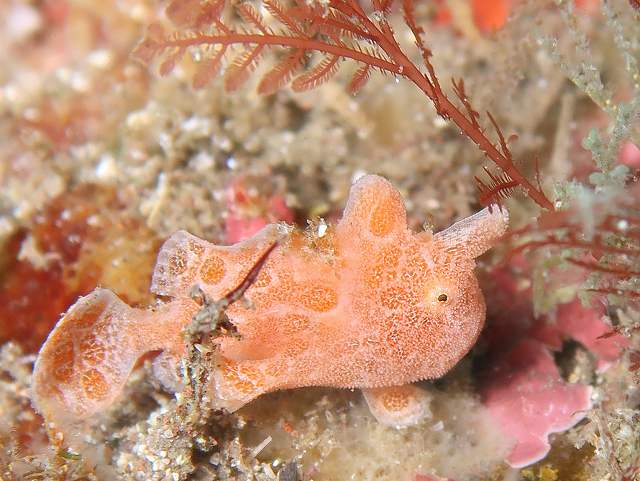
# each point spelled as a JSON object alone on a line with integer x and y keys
{"x": 247, "y": 214}
{"x": 629, "y": 155}
{"x": 584, "y": 324}
{"x": 368, "y": 305}
{"x": 529, "y": 400}
{"x": 524, "y": 391}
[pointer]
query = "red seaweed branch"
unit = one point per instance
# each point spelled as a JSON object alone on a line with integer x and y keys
{"x": 611, "y": 250}
{"x": 337, "y": 30}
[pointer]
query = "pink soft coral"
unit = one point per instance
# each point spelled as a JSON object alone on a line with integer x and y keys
{"x": 370, "y": 305}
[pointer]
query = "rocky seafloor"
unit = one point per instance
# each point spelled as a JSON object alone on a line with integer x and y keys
{"x": 101, "y": 159}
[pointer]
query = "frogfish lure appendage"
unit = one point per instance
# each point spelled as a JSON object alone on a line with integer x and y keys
{"x": 376, "y": 307}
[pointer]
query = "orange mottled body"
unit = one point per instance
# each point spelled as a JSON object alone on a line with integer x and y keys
{"x": 370, "y": 305}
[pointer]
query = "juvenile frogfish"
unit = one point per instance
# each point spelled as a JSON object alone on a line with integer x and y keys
{"x": 370, "y": 305}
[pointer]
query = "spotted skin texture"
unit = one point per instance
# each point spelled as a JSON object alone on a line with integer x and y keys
{"x": 371, "y": 305}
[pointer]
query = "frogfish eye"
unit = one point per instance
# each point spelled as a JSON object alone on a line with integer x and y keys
{"x": 442, "y": 298}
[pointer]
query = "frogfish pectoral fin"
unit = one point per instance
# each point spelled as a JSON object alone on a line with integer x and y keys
{"x": 398, "y": 406}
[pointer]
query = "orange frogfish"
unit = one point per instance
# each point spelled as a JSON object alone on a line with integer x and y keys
{"x": 369, "y": 305}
